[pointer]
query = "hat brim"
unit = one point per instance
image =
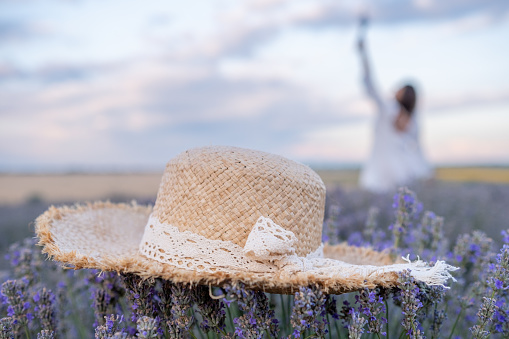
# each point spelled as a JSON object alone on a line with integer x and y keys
{"x": 108, "y": 239}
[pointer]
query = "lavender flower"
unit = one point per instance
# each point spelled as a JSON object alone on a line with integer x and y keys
{"x": 407, "y": 207}
{"x": 15, "y": 295}
{"x": 375, "y": 237}
{"x": 371, "y": 222}
{"x": 498, "y": 283}
{"x": 6, "y": 332}
{"x": 428, "y": 238}
{"x": 485, "y": 315}
{"x": 107, "y": 289}
{"x": 308, "y": 309}
{"x": 331, "y": 307}
{"x": 428, "y": 296}
{"x": 25, "y": 260}
{"x": 410, "y": 304}
{"x": 73, "y": 299}
{"x": 110, "y": 327}
{"x": 436, "y": 325}
{"x": 356, "y": 239}
{"x": 181, "y": 304}
{"x": 44, "y": 301}
{"x": 257, "y": 317}
{"x": 119, "y": 335}
{"x": 46, "y": 334}
{"x": 211, "y": 310}
{"x": 140, "y": 294}
{"x": 505, "y": 236}
{"x": 330, "y": 229}
{"x": 346, "y": 313}
{"x": 473, "y": 252}
{"x": 372, "y": 306}
{"x": 164, "y": 303}
{"x": 147, "y": 327}
{"x": 356, "y": 325}
{"x": 499, "y": 280}
{"x": 501, "y": 317}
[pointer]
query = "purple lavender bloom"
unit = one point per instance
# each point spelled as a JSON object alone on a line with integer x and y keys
{"x": 211, "y": 310}
{"x": 15, "y": 293}
{"x": 473, "y": 252}
{"x": 356, "y": 239}
{"x": 498, "y": 286}
{"x": 410, "y": 304}
{"x": 111, "y": 328}
{"x": 475, "y": 248}
{"x": 26, "y": 260}
{"x": 106, "y": 289}
{"x": 375, "y": 238}
{"x": 45, "y": 334}
{"x": 505, "y": 235}
{"x": 6, "y": 328}
{"x": 356, "y": 325}
{"x": 485, "y": 317}
{"x": 140, "y": 294}
{"x": 45, "y": 309}
{"x": 436, "y": 325}
{"x": 499, "y": 278}
{"x": 331, "y": 306}
{"x": 330, "y": 229}
{"x": 309, "y": 311}
{"x": 181, "y": 302}
{"x": 406, "y": 210}
{"x": 257, "y": 316}
{"x": 372, "y": 305}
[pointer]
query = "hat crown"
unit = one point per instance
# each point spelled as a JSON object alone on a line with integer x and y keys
{"x": 219, "y": 192}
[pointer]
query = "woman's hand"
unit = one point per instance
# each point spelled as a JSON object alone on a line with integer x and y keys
{"x": 363, "y": 23}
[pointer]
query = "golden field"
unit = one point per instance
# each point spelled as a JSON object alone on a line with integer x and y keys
{"x": 17, "y": 188}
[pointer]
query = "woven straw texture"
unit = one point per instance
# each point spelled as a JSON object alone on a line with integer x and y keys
{"x": 106, "y": 236}
{"x": 219, "y": 192}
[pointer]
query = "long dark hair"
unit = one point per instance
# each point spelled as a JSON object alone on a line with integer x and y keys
{"x": 408, "y": 99}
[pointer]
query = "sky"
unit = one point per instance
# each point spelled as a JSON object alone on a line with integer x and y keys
{"x": 127, "y": 85}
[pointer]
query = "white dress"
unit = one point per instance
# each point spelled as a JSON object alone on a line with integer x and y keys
{"x": 396, "y": 157}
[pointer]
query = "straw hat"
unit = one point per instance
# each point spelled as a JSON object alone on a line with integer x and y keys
{"x": 223, "y": 214}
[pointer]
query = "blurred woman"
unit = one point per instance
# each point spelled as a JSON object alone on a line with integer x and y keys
{"x": 396, "y": 157}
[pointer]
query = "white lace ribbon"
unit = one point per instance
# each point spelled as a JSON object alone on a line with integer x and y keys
{"x": 269, "y": 248}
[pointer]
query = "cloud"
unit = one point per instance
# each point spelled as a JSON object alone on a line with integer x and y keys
{"x": 437, "y": 104}
{"x": 12, "y": 31}
{"x": 326, "y": 12}
{"x": 390, "y": 11}
{"x": 150, "y": 110}
{"x": 9, "y": 72}
{"x": 245, "y": 26}
{"x": 54, "y": 72}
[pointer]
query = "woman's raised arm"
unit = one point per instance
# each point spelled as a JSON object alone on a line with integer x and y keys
{"x": 367, "y": 78}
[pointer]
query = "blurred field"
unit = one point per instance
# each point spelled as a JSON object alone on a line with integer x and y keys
{"x": 497, "y": 175}
{"x": 15, "y": 189}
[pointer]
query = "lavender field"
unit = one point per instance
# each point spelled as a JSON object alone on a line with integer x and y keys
{"x": 465, "y": 224}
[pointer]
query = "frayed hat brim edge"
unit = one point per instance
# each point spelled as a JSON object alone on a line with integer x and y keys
{"x": 270, "y": 282}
